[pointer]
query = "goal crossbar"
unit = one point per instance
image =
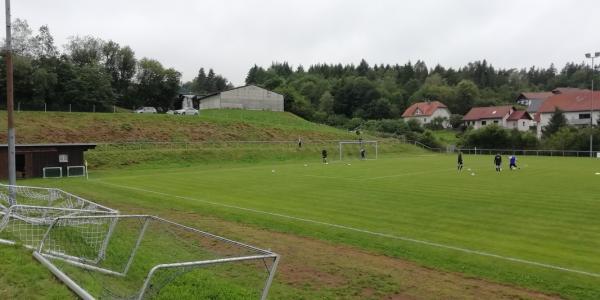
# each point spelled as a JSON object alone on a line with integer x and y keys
{"x": 51, "y": 250}
{"x": 373, "y": 143}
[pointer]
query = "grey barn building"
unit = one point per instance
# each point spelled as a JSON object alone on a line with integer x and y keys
{"x": 249, "y": 97}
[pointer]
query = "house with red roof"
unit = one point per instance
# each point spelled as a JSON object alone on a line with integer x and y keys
{"x": 580, "y": 108}
{"x": 425, "y": 112}
{"x": 534, "y": 100}
{"x": 504, "y": 116}
{"x": 520, "y": 120}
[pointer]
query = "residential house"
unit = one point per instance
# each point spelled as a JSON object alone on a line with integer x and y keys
{"x": 577, "y": 108}
{"x": 425, "y": 112}
{"x": 534, "y": 100}
{"x": 504, "y": 116}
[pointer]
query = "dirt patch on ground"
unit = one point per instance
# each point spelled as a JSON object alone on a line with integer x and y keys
{"x": 349, "y": 273}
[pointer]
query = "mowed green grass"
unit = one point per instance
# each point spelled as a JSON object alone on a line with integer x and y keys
{"x": 547, "y": 212}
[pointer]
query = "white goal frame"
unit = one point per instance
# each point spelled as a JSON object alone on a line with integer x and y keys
{"x": 83, "y": 174}
{"x": 52, "y": 168}
{"x": 46, "y": 255}
{"x": 342, "y": 143}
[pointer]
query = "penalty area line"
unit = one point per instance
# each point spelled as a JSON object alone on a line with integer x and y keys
{"x": 374, "y": 233}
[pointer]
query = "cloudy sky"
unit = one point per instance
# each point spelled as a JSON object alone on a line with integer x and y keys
{"x": 232, "y": 35}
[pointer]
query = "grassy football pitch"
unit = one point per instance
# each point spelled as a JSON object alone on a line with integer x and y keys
{"x": 537, "y": 227}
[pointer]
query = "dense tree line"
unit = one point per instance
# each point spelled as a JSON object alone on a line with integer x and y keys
{"x": 336, "y": 93}
{"x": 91, "y": 72}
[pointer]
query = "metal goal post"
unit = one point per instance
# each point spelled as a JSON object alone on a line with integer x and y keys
{"x": 52, "y": 172}
{"x": 359, "y": 146}
{"x": 148, "y": 255}
{"x": 76, "y": 171}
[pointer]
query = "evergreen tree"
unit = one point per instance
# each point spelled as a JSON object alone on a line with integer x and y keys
{"x": 557, "y": 121}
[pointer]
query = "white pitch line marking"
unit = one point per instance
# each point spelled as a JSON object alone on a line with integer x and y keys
{"x": 407, "y": 174}
{"x": 391, "y": 236}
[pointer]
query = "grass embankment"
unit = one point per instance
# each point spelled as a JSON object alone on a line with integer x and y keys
{"x": 182, "y": 155}
{"x": 210, "y": 125}
{"x": 446, "y": 137}
{"x": 418, "y": 197}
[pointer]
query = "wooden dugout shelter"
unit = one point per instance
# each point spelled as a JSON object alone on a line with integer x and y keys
{"x": 31, "y": 159}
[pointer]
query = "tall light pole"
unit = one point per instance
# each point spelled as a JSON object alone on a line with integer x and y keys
{"x": 12, "y": 174}
{"x": 590, "y": 56}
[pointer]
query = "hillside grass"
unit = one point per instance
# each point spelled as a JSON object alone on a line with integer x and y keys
{"x": 546, "y": 212}
{"x": 210, "y": 125}
{"x": 446, "y": 137}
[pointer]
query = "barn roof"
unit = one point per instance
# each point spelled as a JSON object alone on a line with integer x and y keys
{"x": 519, "y": 115}
{"x": 536, "y": 95}
{"x": 425, "y": 108}
{"x": 235, "y": 88}
{"x": 572, "y": 102}
{"x": 491, "y": 112}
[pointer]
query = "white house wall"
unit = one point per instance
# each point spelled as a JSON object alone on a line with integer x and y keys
{"x": 440, "y": 112}
{"x": 521, "y": 125}
{"x": 479, "y": 123}
{"x": 572, "y": 119}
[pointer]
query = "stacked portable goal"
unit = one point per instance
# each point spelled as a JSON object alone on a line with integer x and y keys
{"x": 100, "y": 254}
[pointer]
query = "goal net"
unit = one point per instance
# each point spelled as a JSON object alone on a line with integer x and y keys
{"x": 52, "y": 172}
{"x": 27, "y": 212}
{"x": 149, "y": 257}
{"x": 358, "y": 150}
{"x": 76, "y": 171}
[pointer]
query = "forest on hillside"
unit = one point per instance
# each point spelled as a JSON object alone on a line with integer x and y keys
{"x": 335, "y": 93}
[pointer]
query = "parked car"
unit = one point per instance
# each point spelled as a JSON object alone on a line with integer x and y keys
{"x": 145, "y": 110}
{"x": 186, "y": 111}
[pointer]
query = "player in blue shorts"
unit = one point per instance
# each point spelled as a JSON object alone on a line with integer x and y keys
{"x": 513, "y": 162}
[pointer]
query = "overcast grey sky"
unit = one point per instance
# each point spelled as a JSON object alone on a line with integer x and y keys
{"x": 232, "y": 35}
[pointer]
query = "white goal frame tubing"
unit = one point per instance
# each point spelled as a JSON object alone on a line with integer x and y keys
{"x": 51, "y": 168}
{"x": 341, "y": 143}
{"x": 59, "y": 191}
{"x": 82, "y": 175}
{"x": 44, "y": 257}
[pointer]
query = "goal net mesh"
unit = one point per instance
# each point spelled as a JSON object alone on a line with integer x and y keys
{"x": 75, "y": 171}
{"x": 52, "y": 172}
{"x": 148, "y": 257}
{"x": 27, "y": 212}
{"x": 352, "y": 150}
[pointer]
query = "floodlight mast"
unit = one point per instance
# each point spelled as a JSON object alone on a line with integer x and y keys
{"x": 12, "y": 176}
{"x": 590, "y": 56}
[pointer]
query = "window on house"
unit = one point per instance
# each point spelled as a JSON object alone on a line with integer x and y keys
{"x": 483, "y": 122}
{"x": 424, "y": 120}
{"x": 584, "y": 116}
{"x": 496, "y": 122}
{"x": 523, "y": 123}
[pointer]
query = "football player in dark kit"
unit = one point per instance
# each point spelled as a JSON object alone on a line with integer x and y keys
{"x": 498, "y": 162}
{"x": 324, "y": 155}
{"x": 460, "y": 161}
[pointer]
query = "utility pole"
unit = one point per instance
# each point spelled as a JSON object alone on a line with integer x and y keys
{"x": 12, "y": 174}
{"x": 592, "y": 56}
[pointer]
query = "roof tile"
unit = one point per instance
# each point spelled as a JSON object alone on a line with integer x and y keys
{"x": 426, "y": 108}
